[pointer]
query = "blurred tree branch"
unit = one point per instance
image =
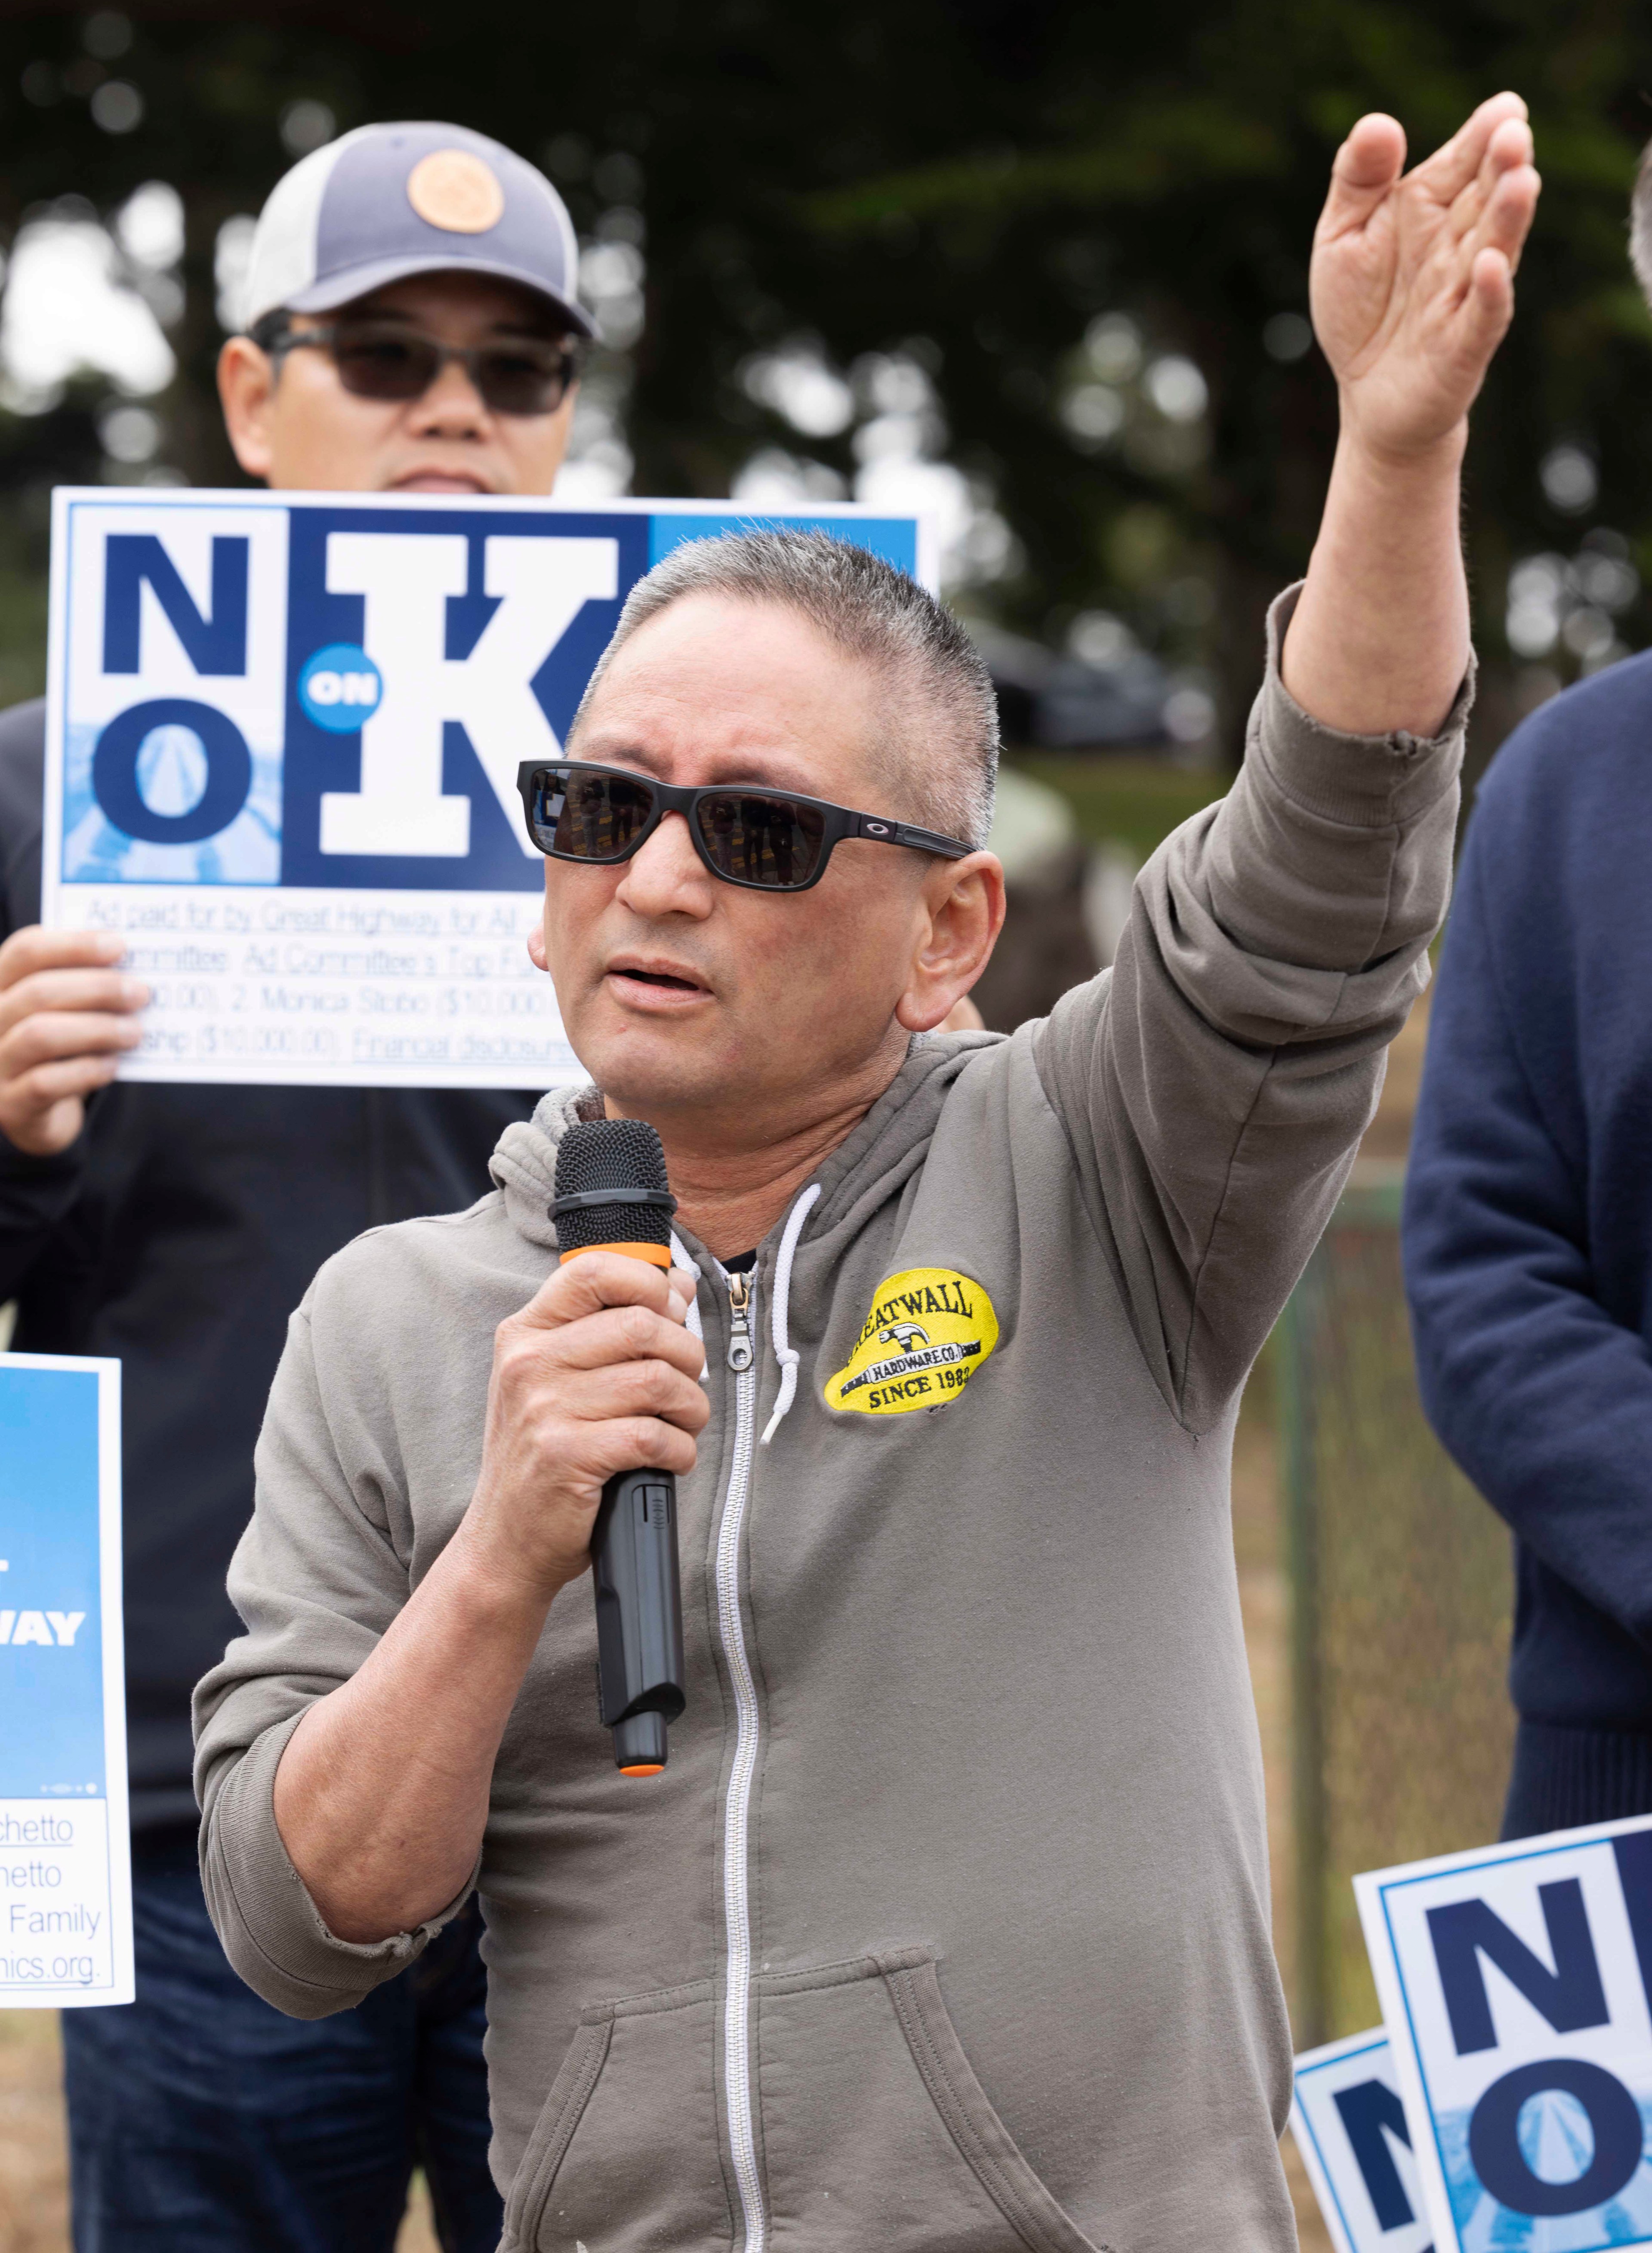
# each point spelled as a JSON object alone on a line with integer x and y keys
{"x": 985, "y": 177}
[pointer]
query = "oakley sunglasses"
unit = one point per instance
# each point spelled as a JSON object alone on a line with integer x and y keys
{"x": 528, "y": 375}
{"x": 768, "y": 840}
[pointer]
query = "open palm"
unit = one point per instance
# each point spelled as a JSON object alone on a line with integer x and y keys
{"x": 1412, "y": 279}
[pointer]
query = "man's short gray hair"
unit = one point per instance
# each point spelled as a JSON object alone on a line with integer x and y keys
{"x": 1641, "y": 223}
{"x": 942, "y": 752}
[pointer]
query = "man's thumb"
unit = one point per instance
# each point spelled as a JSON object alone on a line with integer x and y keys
{"x": 1366, "y": 167}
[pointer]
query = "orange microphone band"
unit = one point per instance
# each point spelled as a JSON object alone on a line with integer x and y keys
{"x": 658, "y": 1255}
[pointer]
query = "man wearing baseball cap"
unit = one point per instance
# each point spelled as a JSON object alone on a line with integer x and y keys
{"x": 411, "y": 326}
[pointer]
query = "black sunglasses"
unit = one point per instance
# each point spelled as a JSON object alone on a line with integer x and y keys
{"x": 528, "y": 375}
{"x": 768, "y": 840}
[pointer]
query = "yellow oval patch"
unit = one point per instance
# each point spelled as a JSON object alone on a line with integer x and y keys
{"x": 929, "y": 1331}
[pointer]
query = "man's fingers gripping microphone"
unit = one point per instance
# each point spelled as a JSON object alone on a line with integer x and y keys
{"x": 627, "y": 1386}
{"x": 568, "y": 1367}
{"x": 579, "y": 1289}
{"x": 625, "y": 1443}
{"x": 626, "y": 1334}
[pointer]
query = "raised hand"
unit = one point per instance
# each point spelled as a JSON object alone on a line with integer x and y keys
{"x": 1412, "y": 278}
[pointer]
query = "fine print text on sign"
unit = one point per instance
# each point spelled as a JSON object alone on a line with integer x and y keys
{"x": 283, "y": 737}
{"x": 66, "y": 1893}
{"x": 1515, "y": 1985}
{"x": 1348, "y": 2123}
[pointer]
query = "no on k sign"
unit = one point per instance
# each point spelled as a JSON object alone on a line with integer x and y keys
{"x": 1515, "y": 1986}
{"x": 283, "y": 738}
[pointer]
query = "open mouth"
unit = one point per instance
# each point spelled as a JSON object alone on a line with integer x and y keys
{"x": 662, "y": 982}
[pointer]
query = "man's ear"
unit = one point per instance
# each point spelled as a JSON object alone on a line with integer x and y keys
{"x": 247, "y": 391}
{"x": 961, "y": 912}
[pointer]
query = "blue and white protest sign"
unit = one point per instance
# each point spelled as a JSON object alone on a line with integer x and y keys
{"x": 65, "y": 1887}
{"x": 282, "y": 743}
{"x": 1349, "y": 2124}
{"x": 1514, "y": 1985}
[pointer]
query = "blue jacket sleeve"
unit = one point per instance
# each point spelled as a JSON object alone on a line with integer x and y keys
{"x": 1542, "y": 1397}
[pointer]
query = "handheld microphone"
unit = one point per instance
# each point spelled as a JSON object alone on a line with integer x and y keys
{"x": 611, "y": 1196}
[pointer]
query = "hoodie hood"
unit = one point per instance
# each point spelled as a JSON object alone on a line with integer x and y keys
{"x": 524, "y": 1160}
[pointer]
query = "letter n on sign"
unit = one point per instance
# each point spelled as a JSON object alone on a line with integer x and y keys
{"x": 1348, "y": 2123}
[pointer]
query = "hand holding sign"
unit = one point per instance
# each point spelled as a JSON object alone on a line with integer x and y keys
{"x": 68, "y": 1014}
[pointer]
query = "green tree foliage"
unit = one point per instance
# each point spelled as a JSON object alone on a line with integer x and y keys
{"x": 980, "y": 183}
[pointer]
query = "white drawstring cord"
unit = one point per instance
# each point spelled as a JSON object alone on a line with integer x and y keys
{"x": 783, "y": 1352}
{"x": 692, "y": 1322}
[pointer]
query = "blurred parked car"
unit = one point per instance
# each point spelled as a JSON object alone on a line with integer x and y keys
{"x": 1048, "y": 701}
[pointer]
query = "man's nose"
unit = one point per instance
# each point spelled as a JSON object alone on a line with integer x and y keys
{"x": 665, "y": 875}
{"x": 452, "y": 408}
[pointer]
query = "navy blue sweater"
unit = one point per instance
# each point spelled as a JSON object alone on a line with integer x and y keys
{"x": 1528, "y": 1229}
{"x": 178, "y": 1233}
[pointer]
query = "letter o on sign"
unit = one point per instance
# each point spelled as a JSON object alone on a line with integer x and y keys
{"x": 229, "y": 772}
{"x": 1494, "y": 2141}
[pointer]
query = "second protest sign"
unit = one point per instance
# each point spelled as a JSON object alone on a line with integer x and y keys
{"x": 1516, "y": 1990}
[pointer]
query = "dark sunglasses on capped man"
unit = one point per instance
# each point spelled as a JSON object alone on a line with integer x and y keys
{"x": 768, "y": 840}
{"x": 380, "y": 360}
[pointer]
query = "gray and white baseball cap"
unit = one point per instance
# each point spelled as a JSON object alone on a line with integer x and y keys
{"x": 386, "y": 201}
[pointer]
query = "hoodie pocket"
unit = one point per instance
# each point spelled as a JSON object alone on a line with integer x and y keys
{"x": 875, "y": 2132}
{"x": 625, "y": 2154}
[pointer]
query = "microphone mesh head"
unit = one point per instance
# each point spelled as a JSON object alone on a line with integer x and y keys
{"x": 611, "y": 1153}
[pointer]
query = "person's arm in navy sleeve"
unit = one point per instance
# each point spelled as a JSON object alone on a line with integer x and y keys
{"x": 1544, "y": 1399}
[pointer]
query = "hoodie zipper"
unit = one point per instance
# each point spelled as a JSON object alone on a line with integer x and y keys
{"x": 736, "y": 1818}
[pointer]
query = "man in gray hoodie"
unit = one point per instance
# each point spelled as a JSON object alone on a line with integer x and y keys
{"x": 945, "y": 1930}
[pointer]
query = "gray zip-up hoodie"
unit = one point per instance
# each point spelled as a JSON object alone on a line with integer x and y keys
{"x": 946, "y": 1928}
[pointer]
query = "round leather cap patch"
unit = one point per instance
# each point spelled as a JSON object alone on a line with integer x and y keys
{"x": 454, "y": 190}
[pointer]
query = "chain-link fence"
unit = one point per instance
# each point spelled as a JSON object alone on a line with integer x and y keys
{"x": 1401, "y": 1588}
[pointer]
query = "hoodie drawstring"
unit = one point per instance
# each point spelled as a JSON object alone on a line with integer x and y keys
{"x": 783, "y": 1353}
{"x": 692, "y": 1322}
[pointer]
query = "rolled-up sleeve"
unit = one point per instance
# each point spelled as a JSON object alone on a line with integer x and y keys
{"x": 317, "y": 1580}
